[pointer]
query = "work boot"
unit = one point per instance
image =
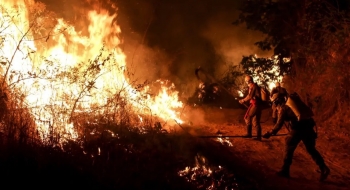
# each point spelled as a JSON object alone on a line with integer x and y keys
{"x": 258, "y": 135}
{"x": 283, "y": 173}
{"x": 324, "y": 173}
{"x": 249, "y": 132}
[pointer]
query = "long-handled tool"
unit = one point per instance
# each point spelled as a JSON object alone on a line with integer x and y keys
{"x": 219, "y": 135}
{"x": 231, "y": 136}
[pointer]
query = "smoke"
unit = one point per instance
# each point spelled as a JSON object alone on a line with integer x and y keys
{"x": 170, "y": 39}
{"x": 231, "y": 42}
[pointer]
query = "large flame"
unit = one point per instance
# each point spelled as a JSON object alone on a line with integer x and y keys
{"x": 62, "y": 54}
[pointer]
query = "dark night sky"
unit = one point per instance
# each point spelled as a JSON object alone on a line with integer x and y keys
{"x": 170, "y": 38}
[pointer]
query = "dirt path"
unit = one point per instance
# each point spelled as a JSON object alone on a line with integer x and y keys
{"x": 261, "y": 160}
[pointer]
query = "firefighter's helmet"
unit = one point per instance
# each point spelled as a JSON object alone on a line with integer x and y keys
{"x": 248, "y": 79}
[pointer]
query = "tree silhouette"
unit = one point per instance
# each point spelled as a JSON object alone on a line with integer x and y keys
{"x": 315, "y": 34}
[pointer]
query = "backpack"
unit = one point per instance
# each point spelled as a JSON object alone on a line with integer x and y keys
{"x": 264, "y": 94}
{"x": 299, "y": 108}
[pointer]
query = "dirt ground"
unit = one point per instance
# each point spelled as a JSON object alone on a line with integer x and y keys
{"x": 261, "y": 160}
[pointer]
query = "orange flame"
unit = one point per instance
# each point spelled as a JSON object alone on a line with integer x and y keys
{"x": 69, "y": 54}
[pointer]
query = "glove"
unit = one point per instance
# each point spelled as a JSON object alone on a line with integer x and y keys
{"x": 268, "y": 134}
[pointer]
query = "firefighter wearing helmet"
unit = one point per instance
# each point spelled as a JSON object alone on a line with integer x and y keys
{"x": 253, "y": 114}
{"x": 281, "y": 93}
{"x": 300, "y": 129}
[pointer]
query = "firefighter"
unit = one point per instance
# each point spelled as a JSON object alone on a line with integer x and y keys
{"x": 281, "y": 92}
{"x": 253, "y": 114}
{"x": 300, "y": 130}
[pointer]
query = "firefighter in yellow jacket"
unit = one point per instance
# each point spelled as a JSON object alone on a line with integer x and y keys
{"x": 281, "y": 93}
{"x": 301, "y": 129}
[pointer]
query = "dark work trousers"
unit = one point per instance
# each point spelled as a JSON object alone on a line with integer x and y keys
{"x": 252, "y": 118}
{"x": 308, "y": 137}
{"x": 274, "y": 113}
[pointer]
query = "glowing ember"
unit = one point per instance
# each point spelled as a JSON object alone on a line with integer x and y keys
{"x": 225, "y": 141}
{"x": 66, "y": 73}
{"x": 205, "y": 177}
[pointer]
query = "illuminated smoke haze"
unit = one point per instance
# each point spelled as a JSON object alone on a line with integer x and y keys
{"x": 169, "y": 39}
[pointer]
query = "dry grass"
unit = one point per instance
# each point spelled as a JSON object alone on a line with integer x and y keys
{"x": 112, "y": 152}
{"x": 110, "y": 157}
{"x": 17, "y": 124}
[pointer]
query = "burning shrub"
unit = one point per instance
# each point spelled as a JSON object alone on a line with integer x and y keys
{"x": 62, "y": 76}
{"x": 16, "y": 122}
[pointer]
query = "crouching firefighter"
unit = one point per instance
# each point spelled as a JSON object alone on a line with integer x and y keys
{"x": 282, "y": 93}
{"x": 253, "y": 114}
{"x": 301, "y": 129}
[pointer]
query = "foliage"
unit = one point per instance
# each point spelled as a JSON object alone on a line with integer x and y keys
{"x": 263, "y": 70}
{"x": 289, "y": 24}
{"x": 315, "y": 34}
{"x": 266, "y": 70}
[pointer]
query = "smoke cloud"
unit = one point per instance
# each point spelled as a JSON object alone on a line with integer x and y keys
{"x": 170, "y": 39}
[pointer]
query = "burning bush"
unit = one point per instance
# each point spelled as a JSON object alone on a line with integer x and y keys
{"x": 59, "y": 75}
{"x": 16, "y": 122}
